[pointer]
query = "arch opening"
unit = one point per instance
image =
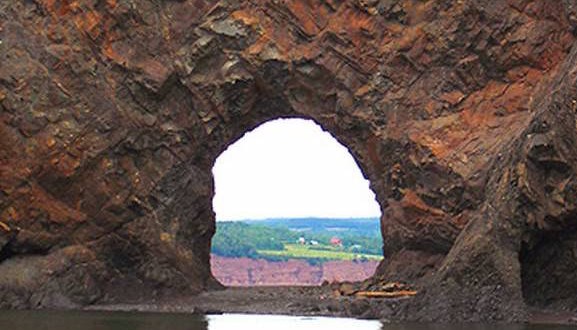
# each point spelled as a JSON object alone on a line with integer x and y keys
{"x": 292, "y": 208}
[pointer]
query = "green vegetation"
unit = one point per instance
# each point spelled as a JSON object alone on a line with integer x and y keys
{"x": 309, "y": 239}
{"x": 296, "y": 251}
{"x": 237, "y": 239}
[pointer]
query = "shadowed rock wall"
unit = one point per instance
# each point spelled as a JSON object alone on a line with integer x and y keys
{"x": 460, "y": 113}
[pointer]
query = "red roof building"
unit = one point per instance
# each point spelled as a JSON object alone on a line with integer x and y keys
{"x": 335, "y": 241}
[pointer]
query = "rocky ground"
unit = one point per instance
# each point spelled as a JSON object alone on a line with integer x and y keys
{"x": 286, "y": 300}
{"x": 301, "y": 301}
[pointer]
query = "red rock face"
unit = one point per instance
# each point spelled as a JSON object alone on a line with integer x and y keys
{"x": 257, "y": 272}
{"x": 460, "y": 113}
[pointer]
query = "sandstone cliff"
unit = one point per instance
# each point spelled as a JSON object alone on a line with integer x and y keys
{"x": 261, "y": 272}
{"x": 460, "y": 113}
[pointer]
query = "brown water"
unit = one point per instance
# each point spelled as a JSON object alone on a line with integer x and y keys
{"x": 48, "y": 320}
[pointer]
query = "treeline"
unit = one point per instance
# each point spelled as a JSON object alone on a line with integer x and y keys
{"x": 369, "y": 227}
{"x": 237, "y": 239}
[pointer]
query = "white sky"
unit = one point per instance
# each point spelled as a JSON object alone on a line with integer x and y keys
{"x": 290, "y": 168}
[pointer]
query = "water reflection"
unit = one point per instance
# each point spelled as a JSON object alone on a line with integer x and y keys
{"x": 473, "y": 326}
{"x": 276, "y": 322}
{"x": 46, "y": 320}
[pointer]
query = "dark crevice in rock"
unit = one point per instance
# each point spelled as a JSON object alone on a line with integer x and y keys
{"x": 11, "y": 250}
{"x": 548, "y": 268}
{"x": 6, "y": 253}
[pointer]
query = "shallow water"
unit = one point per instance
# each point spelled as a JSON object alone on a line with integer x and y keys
{"x": 49, "y": 320}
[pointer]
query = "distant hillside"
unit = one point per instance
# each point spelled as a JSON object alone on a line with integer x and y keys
{"x": 312, "y": 239}
{"x": 362, "y": 226}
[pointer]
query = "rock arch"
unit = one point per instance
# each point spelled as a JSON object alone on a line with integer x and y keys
{"x": 113, "y": 112}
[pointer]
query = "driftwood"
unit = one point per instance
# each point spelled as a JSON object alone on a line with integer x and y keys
{"x": 4, "y": 227}
{"x": 384, "y": 294}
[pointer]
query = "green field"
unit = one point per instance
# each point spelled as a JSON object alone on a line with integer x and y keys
{"x": 296, "y": 251}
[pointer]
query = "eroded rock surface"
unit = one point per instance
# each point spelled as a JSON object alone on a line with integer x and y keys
{"x": 260, "y": 272}
{"x": 460, "y": 113}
